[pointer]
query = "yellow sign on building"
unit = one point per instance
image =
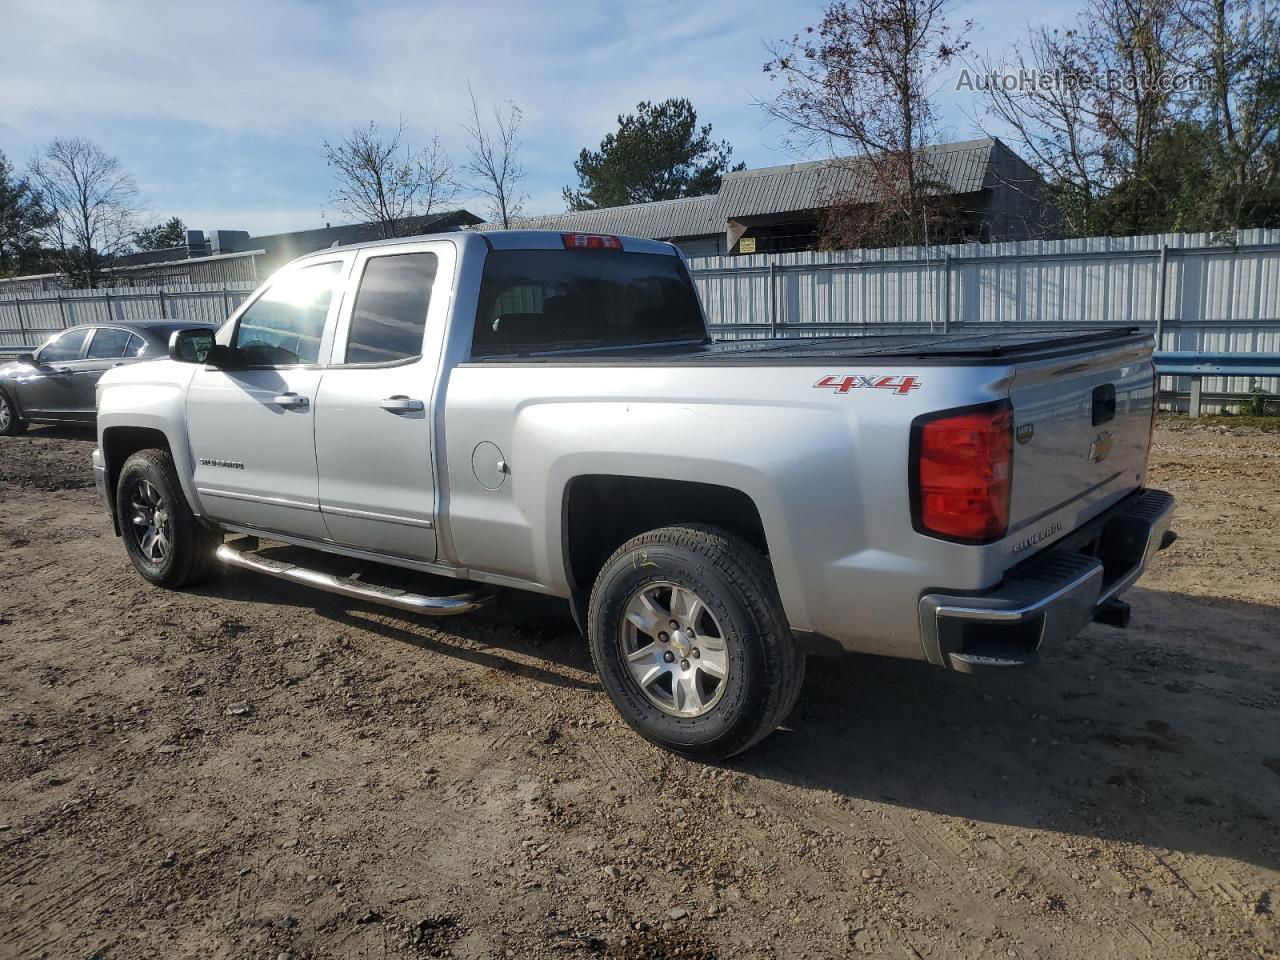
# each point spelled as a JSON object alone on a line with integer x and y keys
{"x": 747, "y": 245}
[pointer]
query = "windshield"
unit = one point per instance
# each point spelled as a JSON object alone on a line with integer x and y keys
{"x": 542, "y": 300}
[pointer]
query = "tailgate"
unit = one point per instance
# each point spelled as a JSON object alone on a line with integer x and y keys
{"x": 1082, "y": 426}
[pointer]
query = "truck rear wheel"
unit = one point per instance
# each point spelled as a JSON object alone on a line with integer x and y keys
{"x": 690, "y": 641}
{"x": 166, "y": 542}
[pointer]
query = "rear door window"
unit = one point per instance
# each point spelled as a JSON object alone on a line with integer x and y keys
{"x": 390, "y": 313}
{"x": 544, "y": 300}
{"x": 109, "y": 343}
{"x": 285, "y": 325}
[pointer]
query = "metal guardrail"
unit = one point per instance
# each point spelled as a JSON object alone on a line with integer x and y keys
{"x": 1176, "y": 363}
{"x": 1196, "y": 365}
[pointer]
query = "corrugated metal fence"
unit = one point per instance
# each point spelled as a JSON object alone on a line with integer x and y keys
{"x": 1200, "y": 295}
{"x": 27, "y": 321}
{"x": 171, "y": 274}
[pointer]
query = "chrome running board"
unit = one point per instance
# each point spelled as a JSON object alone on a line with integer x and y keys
{"x": 346, "y": 587}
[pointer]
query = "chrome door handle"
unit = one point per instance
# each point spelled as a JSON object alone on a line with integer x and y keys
{"x": 290, "y": 400}
{"x": 401, "y": 404}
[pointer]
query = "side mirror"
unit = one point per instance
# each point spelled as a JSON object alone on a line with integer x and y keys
{"x": 223, "y": 357}
{"x": 28, "y": 358}
{"x": 190, "y": 346}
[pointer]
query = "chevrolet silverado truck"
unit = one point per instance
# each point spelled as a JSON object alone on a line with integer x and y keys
{"x": 547, "y": 412}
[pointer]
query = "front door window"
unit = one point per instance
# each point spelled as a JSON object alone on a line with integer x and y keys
{"x": 285, "y": 325}
{"x": 65, "y": 347}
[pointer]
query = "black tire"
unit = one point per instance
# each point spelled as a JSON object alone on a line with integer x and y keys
{"x": 735, "y": 583}
{"x": 187, "y": 555}
{"x": 10, "y": 423}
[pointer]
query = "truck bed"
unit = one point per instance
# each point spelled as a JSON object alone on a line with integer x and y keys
{"x": 928, "y": 348}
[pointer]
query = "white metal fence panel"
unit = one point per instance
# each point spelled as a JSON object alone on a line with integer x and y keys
{"x": 27, "y": 321}
{"x": 1216, "y": 296}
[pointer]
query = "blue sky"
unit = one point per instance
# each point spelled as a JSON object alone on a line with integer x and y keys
{"x": 218, "y": 109}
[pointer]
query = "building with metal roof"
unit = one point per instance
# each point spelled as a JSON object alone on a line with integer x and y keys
{"x": 279, "y": 248}
{"x": 766, "y": 210}
{"x": 774, "y": 209}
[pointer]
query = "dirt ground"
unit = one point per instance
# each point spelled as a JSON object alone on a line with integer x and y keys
{"x": 251, "y": 770}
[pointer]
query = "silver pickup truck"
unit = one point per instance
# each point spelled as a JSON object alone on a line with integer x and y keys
{"x": 546, "y": 412}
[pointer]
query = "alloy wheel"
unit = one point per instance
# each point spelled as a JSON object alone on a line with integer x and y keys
{"x": 149, "y": 515}
{"x": 674, "y": 649}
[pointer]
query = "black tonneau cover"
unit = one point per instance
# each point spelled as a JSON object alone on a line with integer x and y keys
{"x": 950, "y": 348}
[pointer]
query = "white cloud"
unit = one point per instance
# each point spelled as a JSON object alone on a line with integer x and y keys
{"x": 219, "y": 108}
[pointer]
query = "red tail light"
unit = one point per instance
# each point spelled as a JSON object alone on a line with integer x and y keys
{"x": 590, "y": 241}
{"x": 961, "y": 466}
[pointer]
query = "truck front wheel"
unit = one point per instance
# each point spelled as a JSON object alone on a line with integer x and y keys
{"x": 166, "y": 542}
{"x": 690, "y": 641}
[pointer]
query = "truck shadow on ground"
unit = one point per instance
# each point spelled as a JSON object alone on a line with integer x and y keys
{"x": 514, "y": 634}
{"x": 1164, "y": 734}
{"x": 87, "y": 432}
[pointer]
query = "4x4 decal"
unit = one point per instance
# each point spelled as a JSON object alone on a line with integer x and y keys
{"x": 899, "y": 385}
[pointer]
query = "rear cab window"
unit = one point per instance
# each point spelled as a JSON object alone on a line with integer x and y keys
{"x": 542, "y": 301}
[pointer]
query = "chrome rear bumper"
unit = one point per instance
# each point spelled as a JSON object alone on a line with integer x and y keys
{"x": 1054, "y": 597}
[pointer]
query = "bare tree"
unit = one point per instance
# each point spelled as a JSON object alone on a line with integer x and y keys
{"x": 861, "y": 82}
{"x": 495, "y": 159}
{"x": 1141, "y": 39}
{"x": 92, "y": 202}
{"x": 1097, "y": 119}
{"x": 1055, "y": 124}
{"x": 1237, "y": 44}
{"x": 381, "y": 182}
